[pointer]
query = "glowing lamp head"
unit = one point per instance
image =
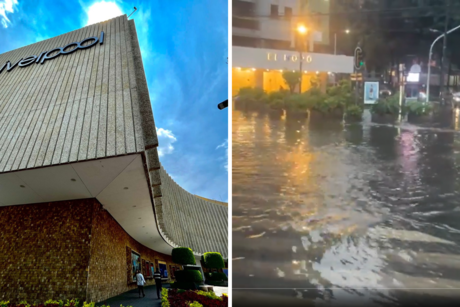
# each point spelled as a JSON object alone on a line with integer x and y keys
{"x": 302, "y": 29}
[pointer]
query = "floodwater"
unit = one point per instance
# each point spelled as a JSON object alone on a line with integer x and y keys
{"x": 329, "y": 214}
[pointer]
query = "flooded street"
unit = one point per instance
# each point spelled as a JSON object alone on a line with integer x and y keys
{"x": 332, "y": 214}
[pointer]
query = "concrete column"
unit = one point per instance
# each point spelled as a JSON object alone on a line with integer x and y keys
{"x": 259, "y": 78}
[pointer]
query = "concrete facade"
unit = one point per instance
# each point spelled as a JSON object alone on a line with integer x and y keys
{"x": 80, "y": 126}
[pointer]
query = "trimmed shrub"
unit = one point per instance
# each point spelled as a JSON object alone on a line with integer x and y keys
{"x": 183, "y": 256}
{"x": 189, "y": 276}
{"x": 354, "y": 112}
{"x": 214, "y": 260}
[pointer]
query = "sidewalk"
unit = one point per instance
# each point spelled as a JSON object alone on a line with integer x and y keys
{"x": 131, "y": 298}
{"x": 219, "y": 290}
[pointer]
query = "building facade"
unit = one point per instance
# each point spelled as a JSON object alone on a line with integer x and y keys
{"x": 266, "y": 42}
{"x": 84, "y": 199}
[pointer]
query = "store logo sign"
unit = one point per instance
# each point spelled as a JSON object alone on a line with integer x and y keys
{"x": 54, "y": 53}
{"x": 289, "y": 57}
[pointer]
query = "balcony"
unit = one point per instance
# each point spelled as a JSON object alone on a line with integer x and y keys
{"x": 245, "y": 23}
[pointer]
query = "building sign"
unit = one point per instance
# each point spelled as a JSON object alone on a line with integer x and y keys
{"x": 413, "y": 77}
{"x": 53, "y": 53}
{"x": 271, "y": 56}
{"x": 371, "y": 92}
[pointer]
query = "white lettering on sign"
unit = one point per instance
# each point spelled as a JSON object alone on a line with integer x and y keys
{"x": 271, "y": 56}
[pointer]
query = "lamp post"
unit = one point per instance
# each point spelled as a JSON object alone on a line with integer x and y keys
{"x": 335, "y": 40}
{"x": 428, "y": 76}
{"x": 223, "y": 105}
{"x": 302, "y": 30}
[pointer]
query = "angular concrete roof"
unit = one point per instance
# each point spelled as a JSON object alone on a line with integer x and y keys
{"x": 94, "y": 104}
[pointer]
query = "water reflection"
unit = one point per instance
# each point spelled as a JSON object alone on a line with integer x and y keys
{"x": 365, "y": 213}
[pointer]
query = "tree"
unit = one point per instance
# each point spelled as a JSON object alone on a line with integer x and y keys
{"x": 292, "y": 78}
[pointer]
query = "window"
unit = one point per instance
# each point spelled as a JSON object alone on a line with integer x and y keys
{"x": 163, "y": 269}
{"x": 287, "y": 13}
{"x": 152, "y": 269}
{"x": 136, "y": 259}
{"x": 274, "y": 11}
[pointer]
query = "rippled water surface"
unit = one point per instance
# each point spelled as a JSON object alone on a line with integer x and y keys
{"x": 332, "y": 213}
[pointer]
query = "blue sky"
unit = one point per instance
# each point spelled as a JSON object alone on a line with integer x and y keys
{"x": 184, "y": 47}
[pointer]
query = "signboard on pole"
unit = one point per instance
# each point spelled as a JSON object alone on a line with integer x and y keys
{"x": 371, "y": 92}
{"x": 356, "y": 77}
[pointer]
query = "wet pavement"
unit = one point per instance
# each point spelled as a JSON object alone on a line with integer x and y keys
{"x": 329, "y": 214}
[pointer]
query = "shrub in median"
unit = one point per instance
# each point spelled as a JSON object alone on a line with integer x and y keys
{"x": 354, "y": 112}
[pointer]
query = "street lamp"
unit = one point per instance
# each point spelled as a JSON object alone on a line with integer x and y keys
{"x": 223, "y": 105}
{"x": 302, "y": 31}
{"x": 428, "y": 76}
{"x": 335, "y": 40}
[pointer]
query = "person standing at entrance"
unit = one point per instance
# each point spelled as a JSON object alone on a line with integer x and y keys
{"x": 157, "y": 277}
{"x": 140, "y": 283}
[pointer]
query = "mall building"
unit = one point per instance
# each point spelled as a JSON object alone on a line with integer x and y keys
{"x": 84, "y": 199}
{"x": 266, "y": 42}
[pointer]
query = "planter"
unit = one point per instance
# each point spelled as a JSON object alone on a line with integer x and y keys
{"x": 353, "y": 118}
{"x": 240, "y": 105}
{"x": 275, "y": 113}
{"x": 296, "y": 114}
{"x": 319, "y": 116}
{"x": 419, "y": 119}
{"x": 256, "y": 106}
{"x": 384, "y": 118}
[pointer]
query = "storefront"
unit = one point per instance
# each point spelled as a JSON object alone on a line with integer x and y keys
{"x": 257, "y": 67}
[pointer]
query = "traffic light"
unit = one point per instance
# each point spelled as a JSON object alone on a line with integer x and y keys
{"x": 359, "y": 58}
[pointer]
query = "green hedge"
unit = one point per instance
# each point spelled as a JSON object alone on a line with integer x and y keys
{"x": 184, "y": 285}
{"x": 216, "y": 277}
{"x": 183, "y": 256}
{"x": 189, "y": 276}
{"x": 214, "y": 260}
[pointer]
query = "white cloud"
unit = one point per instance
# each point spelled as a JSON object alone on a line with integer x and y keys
{"x": 102, "y": 11}
{"x": 165, "y": 139}
{"x": 6, "y": 6}
{"x": 224, "y": 145}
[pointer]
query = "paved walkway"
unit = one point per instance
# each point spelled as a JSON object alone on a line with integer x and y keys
{"x": 219, "y": 290}
{"x": 131, "y": 298}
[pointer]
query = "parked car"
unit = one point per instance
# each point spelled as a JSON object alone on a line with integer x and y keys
{"x": 384, "y": 91}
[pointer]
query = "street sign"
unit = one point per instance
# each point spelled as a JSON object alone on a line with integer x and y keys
{"x": 358, "y": 58}
{"x": 356, "y": 77}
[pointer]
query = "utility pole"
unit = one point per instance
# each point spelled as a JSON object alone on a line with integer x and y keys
{"x": 444, "y": 47}
{"x": 401, "y": 86}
